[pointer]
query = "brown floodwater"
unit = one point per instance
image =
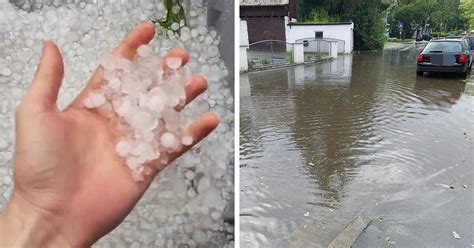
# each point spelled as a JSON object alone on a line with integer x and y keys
{"x": 321, "y": 144}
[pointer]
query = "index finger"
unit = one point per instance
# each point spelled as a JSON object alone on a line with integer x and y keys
{"x": 199, "y": 130}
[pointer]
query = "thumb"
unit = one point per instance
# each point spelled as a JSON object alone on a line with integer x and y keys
{"x": 49, "y": 75}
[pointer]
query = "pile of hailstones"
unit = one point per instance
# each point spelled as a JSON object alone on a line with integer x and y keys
{"x": 141, "y": 97}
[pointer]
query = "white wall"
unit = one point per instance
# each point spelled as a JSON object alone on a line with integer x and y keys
{"x": 245, "y": 89}
{"x": 288, "y": 46}
{"x": 243, "y": 46}
{"x": 244, "y": 34}
{"x": 322, "y": 46}
{"x": 262, "y": 2}
{"x": 298, "y": 53}
{"x": 244, "y": 63}
{"x": 336, "y": 31}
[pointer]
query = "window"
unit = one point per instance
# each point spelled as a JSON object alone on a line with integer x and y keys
{"x": 466, "y": 44}
{"x": 318, "y": 34}
{"x": 444, "y": 46}
{"x": 470, "y": 43}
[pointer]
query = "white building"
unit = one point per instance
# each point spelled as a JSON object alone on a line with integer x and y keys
{"x": 309, "y": 33}
{"x": 270, "y": 20}
{"x": 262, "y": 2}
{"x": 243, "y": 46}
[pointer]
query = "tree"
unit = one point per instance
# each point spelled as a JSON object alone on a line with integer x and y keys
{"x": 467, "y": 13}
{"x": 369, "y": 28}
{"x": 321, "y": 16}
{"x": 442, "y": 15}
{"x": 335, "y": 7}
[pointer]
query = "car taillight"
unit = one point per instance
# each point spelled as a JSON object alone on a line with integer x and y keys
{"x": 419, "y": 58}
{"x": 462, "y": 58}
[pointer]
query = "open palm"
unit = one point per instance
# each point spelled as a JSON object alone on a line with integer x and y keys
{"x": 66, "y": 167}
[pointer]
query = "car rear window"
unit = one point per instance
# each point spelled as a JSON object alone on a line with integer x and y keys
{"x": 444, "y": 46}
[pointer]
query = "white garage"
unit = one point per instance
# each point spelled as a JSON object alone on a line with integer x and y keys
{"x": 309, "y": 34}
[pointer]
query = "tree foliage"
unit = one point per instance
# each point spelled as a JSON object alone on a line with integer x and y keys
{"x": 369, "y": 27}
{"x": 336, "y": 7}
{"x": 321, "y": 16}
{"x": 441, "y": 15}
{"x": 467, "y": 13}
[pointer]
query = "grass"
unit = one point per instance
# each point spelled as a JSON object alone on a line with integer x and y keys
{"x": 398, "y": 41}
{"x": 289, "y": 56}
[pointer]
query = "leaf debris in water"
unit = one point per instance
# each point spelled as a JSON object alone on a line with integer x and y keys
{"x": 456, "y": 235}
{"x": 445, "y": 186}
{"x": 388, "y": 240}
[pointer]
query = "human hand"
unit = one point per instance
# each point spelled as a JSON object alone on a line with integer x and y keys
{"x": 70, "y": 186}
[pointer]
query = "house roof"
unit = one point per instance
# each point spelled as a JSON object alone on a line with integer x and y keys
{"x": 316, "y": 24}
{"x": 262, "y": 2}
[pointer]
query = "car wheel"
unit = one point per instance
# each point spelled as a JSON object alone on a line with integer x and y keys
{"x": 419, "y": 73}
{"x": 463, "y": 74}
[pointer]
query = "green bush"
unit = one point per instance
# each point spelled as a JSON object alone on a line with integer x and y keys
{"x": 444, "y": 34}
{"x": 252, "y": 64}
{"x": 440, "y": 34}
{"x": 265, "y": 61}
{"x": 369, "y": 27}
{"x": 321, "y": 16}
{"x": 289, "y": 56}
{"x": 442, "y": 16}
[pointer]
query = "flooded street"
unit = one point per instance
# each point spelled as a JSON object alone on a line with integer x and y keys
{"x": 361, "y": 135}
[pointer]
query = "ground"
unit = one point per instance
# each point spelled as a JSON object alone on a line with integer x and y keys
{"x": 361, "y": 135}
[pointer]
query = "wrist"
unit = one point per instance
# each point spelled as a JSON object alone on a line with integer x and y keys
{"x": 23, "y": 225}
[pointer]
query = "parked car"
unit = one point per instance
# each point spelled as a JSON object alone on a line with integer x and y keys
{"x": 424, "y": 37}
{"x": 470, "y": 40}
{"x": 446, "y": 55}
{"x": 425, "y": 33}
{"x": 471, "y": 43}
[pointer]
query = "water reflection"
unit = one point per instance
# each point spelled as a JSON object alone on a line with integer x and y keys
{"x": 319, "y": 142}
{"x": 318, "y": 131}
{"x": 445, "y": 92}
